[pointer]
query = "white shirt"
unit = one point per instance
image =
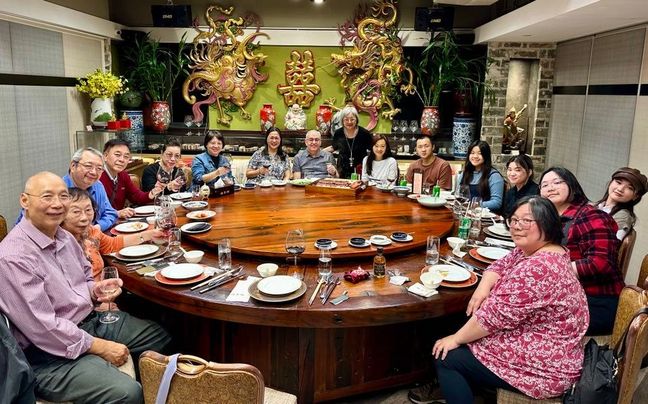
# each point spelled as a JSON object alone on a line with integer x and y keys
{"x": 386, "y": 169}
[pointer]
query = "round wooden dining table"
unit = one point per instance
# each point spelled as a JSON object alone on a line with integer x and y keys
{"x": 380, "y": 337}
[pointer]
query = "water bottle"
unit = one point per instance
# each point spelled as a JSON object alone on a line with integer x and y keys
{"x": 436, "y": 190}
{"x": 464, "y": 228}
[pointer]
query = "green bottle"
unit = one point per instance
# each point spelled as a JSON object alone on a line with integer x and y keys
{"x": 403, "y": 181}
{"x": 436, "y": 190}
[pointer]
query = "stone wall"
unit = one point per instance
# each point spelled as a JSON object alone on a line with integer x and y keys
{"x": 495, "y": 109}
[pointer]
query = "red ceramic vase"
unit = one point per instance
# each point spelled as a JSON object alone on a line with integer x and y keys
{"x": 268, "y": 117}
{"x": 430, "y": 121}
{"x": 323, "y": 119}
{"x": 160, "y": 116}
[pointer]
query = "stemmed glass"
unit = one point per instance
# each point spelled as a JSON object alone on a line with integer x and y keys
{"x": 188, "y": 121}
{"x": 163, "y": 176}
{"x": 166, "y": 220}
{"x": 395, "y": 126}
{"x": 180, "y": 178}
{"x": 403, "y": 128}
{"x": 109, "y": 285}
{"x": 295, "y": 244}
{"x": 413, "y": 127}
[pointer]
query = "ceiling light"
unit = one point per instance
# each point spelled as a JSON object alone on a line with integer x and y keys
{"x": 318, "y": 1}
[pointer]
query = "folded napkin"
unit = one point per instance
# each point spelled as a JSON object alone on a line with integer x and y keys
{"x": 219, "y": 183}
{"x": 398, "y": 280}
{"x": 457, "y": 251}
{"x": 240, "y": 291}
{"x": 420, "y": 290}
{"x": 495, "y": 241}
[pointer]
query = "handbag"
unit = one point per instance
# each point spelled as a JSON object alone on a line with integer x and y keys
{"x": 599, "y": 377}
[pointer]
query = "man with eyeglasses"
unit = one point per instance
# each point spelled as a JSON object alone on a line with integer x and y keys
{"x": 85, "y": 169}
{"x": 49, "y": 295}
{"x": 118, "y": 184}
{"x": 313, "y": 162}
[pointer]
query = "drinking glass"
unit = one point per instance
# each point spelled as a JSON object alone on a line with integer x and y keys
{"x": 180, "y": 178}
{"x": 174, "y": 241}
{"x": 163, "y": 176}
{"x": 395, "y": 127}
{"x": 432, "y": 250}
{"x": 403, "y": 128}
{"x": 224, "y": 254}
{"x": 188, "y": 121}
{"x": 166, "y": 220}
{"x": 109, "y": 285}
{"x": 325, "y": 263}
{"x": 474, "y": 213}
{"x": 195, "y": 192}
{"x": 413, "y": 127}
{"x": 295, "y": 244}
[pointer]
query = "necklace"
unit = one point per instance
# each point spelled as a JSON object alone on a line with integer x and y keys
{"x": 350, "y": 148}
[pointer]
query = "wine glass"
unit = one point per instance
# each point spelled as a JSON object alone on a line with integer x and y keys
{"x": 395, "y": 125}
{"x": 163, "y": 176}
{"x": 166, "y": 220}
{"x": 295, "y": 244}
{"x": 403, "y": 128}
{"x": 109, "y": 285}
{"x": 180, "y": 178}
{"x": 188, "y": 121}
{"x": 413, "y": 127}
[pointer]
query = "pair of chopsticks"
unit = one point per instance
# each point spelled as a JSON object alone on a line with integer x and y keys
{"x": 215, "y": 279}
{"x": 317, "y": 288}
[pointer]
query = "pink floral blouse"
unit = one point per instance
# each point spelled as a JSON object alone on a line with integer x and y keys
{"x": 537, "y": 315}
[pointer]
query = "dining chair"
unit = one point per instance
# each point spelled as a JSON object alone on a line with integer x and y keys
{"x": 625, "y": 251}
{"x": 137, "y": 181}
{"x": 198, "y": 380}
{"x": 3, "y": 227}
{"x": 642, "y": 281}
{"x": 631, "y": 300}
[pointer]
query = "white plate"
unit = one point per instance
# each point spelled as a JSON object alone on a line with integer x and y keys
{"x": 500, "y": 230}
{"x": 195, "y": 205}
{"x": 201, "y": 214}
{"x": 138, "y": 250}
{"x": 279, "y": 183}
{"x": 414, "y": 196}
{"x": 432, "y": 201}
{"x": 144, "y": 210}
{"x": 454, "y": 273}
{"x": 302, "y": 182}
{"x": 186, "y": 228}
{"x": 266, "y": 184}
{"x": 181, "y": 195}
{"x": 330, "y": 247}
{"x": 488, "y": 215}
{"x": 403, "y": 240}
{"x": 379, "y": 240}
{"x": 279, "y": 285}
{"x": 367, "y": 243}
{"x": 492, "y": 253}
{"x": 131, "y": 227}
{"x": 182, "y": 271}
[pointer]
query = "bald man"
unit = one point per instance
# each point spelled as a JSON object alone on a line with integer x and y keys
{"x": 48, "y": 293}
{"x": 313, "y": 162}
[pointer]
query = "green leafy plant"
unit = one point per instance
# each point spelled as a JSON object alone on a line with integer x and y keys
{"x": 153, "y": 69}
{"x": 105, "y": 117}
{"x": 442, "y": 67}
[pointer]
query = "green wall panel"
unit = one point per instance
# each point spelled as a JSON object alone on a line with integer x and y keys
{"x": 266, "y": 93}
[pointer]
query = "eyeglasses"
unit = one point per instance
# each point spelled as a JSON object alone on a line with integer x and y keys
{"x": 523, "y": 223}
{"x": 556, "y": 183}
{"x": 91, "y": 167}
{"x": 315, "y": 140}
{"x": 172, "y": 156}
{"x": 49, "y": 198}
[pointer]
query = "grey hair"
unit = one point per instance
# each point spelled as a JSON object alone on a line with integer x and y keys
{"x": 76, "y": 157}
{"x": 350, "y": 110}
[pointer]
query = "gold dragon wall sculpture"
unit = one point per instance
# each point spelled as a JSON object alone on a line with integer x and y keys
{"x": 300, "y": 87}
{"x": 373, "y": 68}
{"x": 223, "y": 68}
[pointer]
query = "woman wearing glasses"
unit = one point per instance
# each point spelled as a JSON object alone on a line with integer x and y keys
{"x": 479, "y": 175}
{"x": 168, "y": 170}
{"x": 528, "y": 316}
{"x": 210, "y": 166}
{"x": 590, "y": 236}
{"x": 351, "y": 141}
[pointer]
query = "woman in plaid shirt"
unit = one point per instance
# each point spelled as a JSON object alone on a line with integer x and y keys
{"x": 590, "y": 236}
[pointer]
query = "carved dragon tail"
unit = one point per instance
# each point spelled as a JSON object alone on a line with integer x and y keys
{"x": 197, "y": 113}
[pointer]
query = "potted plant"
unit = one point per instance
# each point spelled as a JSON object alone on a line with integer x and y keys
{"x": 101, "y": 86}
{"x": 154, "y": 70}
{"x": 442, "y": 68}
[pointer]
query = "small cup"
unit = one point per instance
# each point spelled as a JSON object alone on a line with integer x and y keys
{"x": 455, "y": 242}
{"x": 267, "y": 269}
{"x": 431, "y": 279}
{"x": 194, "y": 256}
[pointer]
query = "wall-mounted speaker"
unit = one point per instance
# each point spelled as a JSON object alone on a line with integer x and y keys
{"x": 171, "y": 16}
{"x": 433, "y": 18}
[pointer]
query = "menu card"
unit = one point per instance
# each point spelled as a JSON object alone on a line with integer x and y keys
{"x": 240, "y": 291}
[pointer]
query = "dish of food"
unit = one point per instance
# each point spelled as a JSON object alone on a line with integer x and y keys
{"x": 451, "y": 273}
{"x": 201, "y": 214}
{"x": 195, "y": 205}
{"x": 131, "y": 227}
{"x": 302, "y": 182}
{"x": 144, "y": 210}
{"x": 338, "y": 183}
{"x": 180, "y": 196}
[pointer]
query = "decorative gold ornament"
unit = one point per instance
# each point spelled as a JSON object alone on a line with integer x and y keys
{"x": 372, "y": 70}
{"x": 300, "y": 76}
{"x": 223, "y": 68}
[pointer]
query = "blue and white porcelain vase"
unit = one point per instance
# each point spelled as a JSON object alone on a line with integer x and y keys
{"x": 463, "y": 131}
{"x": 135, "y": 136}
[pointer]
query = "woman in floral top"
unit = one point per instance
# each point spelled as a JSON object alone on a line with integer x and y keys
{"x": 529, "y": 315}
{"x": 269, "y": 162}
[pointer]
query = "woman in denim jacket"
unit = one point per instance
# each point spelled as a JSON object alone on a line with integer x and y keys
{"x": 210, "y": 166}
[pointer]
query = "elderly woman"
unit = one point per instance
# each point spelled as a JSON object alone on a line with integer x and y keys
{"x": 380, "y": 166}
{"x": 590, "y": 236}
{"x": 624, "y": 191}
{"x": 270, "y": 161}
{"x": 210, "y": 166}
{"x": 529, "y": 315}
{"x": 351, "y": 142}
{"x": 479, "y": 175}
{"x": 171, "y": 164}
{"x": 519, "y": 171}
{"x": 95, "y": 243}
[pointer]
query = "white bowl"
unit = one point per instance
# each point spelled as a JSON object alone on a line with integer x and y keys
{"x": 194, "y": 256}
{"x": 150, "y": 220}
{"x": 267, "y": 269}
{"x": 455, "y": 242}
{"x": 431, "y": 201}
{"x": 431, "y": 280}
